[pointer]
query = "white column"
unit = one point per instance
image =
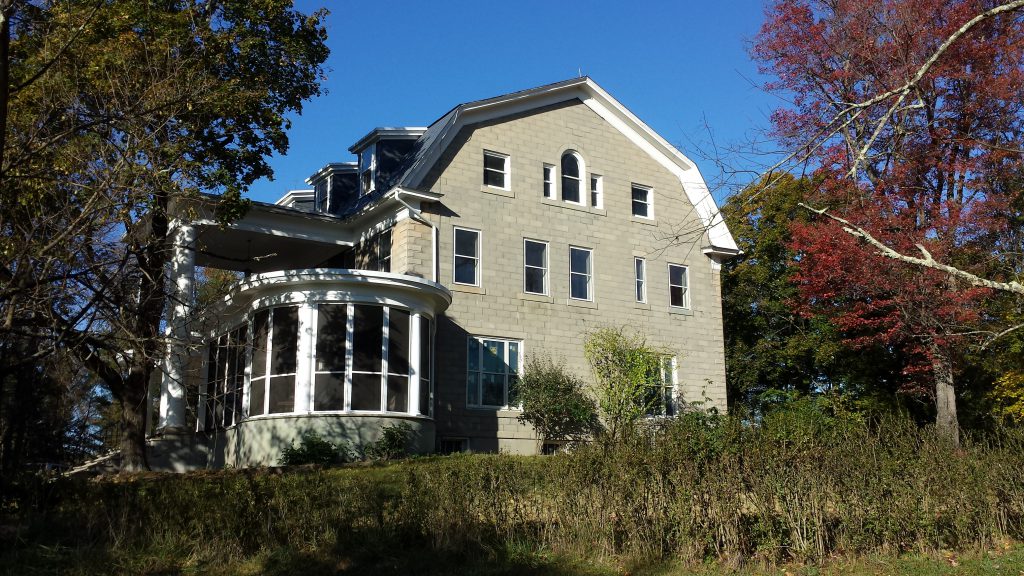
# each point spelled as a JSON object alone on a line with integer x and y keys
{"x": 304, "y": 360}
{"x": 178, "y": 332}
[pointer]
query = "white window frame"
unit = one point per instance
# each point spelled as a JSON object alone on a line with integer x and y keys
{"x": 583, "y": 190}
{"x": 506, "y": 171}
{"x": 640, "y": 277}
{"x": 686, "y": 287}
{"x": 649, "y": 203}
{"x": 671, "y": 383}
{"x": 549, "y": 187}
{"x": 480, "y": 371}
{"x": 596, "y": 191}
{"x": 479, "y": 255}
{"x": 544, "y": 269}
{"x": 589, "y": 274}
{"x": 372, "y": 149}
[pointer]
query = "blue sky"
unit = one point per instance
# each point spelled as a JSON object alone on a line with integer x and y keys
{"x": 676, "y": 65}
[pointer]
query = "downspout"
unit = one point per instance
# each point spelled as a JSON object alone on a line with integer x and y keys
{"x": 434, "y": 235}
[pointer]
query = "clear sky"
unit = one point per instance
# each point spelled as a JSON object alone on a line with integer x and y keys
{"x": 682, "y": 67}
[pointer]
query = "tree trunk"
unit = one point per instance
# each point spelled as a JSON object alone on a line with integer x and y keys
{"x": 945, "y": 396}
{"x": 134, "y": 404}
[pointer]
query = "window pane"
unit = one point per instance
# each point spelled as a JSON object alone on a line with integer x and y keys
{"x": 640, "y": 194}
{"x": 472, "y": 388}
{"x": 493, "y": 390}
{"x": 579, "y": 261}
{"x": 494, "y": 162}
{"x": 677, "y": 275}
{"x": 366, "y": 392}
{"x": 473, "y": 355}
{"x": 513, "y": 357}
{"x": 425, "y": 397}
{"x": 570, "y": 166}
{"x": 367, "y": 338}
{"x": 570, "y": 189}
{"x": 639, "y": 209}
{"x": 329, "y": 392}
{"x": 578, "y": 287}
{"x": 286, "y": 340}
{"x": 398, "y": 342}
{"x": 513, "y": 390}
{"x": 496, "y": 179}
{"x": 259, "y": 343}
{"x": 384, "y": 251}
{"x": 465, "y": 270}
{"x": 494, "y": 356}
{"x": 425, "y": 348}
{"x": 256, "y": 396}
{"x": 398, "y": 393}
{"x": 465, "y": 242}
{"x": 639, "y": 269}
{"x": 639, "y": 290}
{"x": 282, "y": 394}
{"x": 330, "y": 337}
{"x": 678, "y": 295}
{"x": 534, "y": 253}
{"x": 534, "y": 280}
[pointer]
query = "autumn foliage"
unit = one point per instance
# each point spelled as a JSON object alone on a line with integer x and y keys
{"x": 916, "y": 143}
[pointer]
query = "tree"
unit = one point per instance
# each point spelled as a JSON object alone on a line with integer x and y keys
{"x": 772, "y": 347}
{"x": 555, "y": 402}
{"x": 627, "y": 375}
{"x": 908, "y": 112}
{"x": 116, "y": 111}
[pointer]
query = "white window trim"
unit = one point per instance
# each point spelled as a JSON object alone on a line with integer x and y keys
{"x": 479, "y": 257}
{"x": 686, "y": 292}
{"x": 584, "y": 183}
{"x": 590, "y": 274}
{"x": 649, "y": 203}
{"x": 545, "y": 269}
{"x": 641, "y": 281}
{"x": 507, "y": 171}
{"x": 373, "y": 170}
{"x": 596, "y": 191}
{"x": 550, "y": 178}
{"x": 480, "y": 382}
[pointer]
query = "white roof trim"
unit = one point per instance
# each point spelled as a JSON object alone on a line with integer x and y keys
{"x": 608, "y": 108}
{"x": 292, "y": 196}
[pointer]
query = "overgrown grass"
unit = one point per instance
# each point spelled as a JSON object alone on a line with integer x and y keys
{"x": 802, "y": 487}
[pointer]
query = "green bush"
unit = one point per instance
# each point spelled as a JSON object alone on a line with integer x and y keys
{"x": 555, "y": 402}
{"x": 392, "y": 444}
{"x": 313, "y": 449}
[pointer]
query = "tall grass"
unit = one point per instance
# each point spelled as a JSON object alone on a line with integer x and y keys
{"x": 799, "y": 485}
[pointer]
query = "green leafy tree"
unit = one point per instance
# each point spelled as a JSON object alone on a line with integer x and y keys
{"x": 555, "y": 402}
{"x": 115, "y": 111}
{"x": 626, "y": 369}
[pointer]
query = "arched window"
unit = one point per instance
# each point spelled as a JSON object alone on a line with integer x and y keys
{"x": 571, "y": 177}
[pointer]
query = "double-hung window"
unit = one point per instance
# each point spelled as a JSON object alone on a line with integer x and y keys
{"x": 467, "y": 256}
{"x": 678, "y": 286}
{"x": 549, "y": 180}
{"x": 384, "y": 251}
{"x": 496, "y": 170}
{"x": 492, "y": 371}
{"x": 660, "y": 399}
{"x": 535, "y": 267}
{"x": 581, "y": 273}
{"x": 643, "y": 201}
{"x": 367, "y": 170}
{"x": 640, "y": 271}
{"x": 596, "y": 191}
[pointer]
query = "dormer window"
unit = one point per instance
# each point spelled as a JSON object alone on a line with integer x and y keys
{"x": 571, "y": 178}
{"x": 367, "y": 170}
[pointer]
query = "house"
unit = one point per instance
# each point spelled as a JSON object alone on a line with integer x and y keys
{"x": 411, "y": 284}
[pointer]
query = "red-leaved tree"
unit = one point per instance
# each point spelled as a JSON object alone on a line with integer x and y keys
{"x": 910, "y": 114}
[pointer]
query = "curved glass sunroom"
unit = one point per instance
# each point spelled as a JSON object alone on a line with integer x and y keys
{"x": 324, "y": 341}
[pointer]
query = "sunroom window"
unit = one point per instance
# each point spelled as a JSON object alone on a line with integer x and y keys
{"x": 274, "y": 360}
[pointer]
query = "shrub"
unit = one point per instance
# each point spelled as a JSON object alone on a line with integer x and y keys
{"x": 392, "y": 444}
{"x": 555, "y": 401}
{"x": 313, "y": 449}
